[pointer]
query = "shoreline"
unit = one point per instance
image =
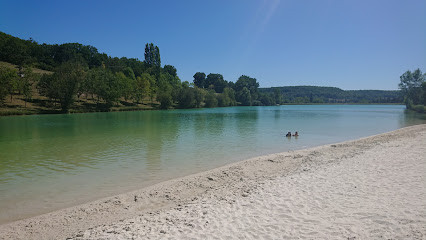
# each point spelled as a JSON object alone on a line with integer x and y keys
{"x": 225, "y": 184}
{"x": 27, "y": 112}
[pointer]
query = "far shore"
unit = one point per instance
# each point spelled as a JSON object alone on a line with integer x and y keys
{"x": 368, "y": 188}
{"x": 6, "y": 112}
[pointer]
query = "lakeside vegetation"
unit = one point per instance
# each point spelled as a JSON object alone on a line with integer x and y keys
{"x": 413, "y": 88}
{"x": 71, "y": 77}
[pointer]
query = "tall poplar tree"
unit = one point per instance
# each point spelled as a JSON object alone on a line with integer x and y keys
{"x": 152, "y": 55}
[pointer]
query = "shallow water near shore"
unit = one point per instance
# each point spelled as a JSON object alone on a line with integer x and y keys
{"x": 49, "y": 162}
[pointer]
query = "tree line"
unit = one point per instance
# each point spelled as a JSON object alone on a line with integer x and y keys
{"x": 318, "y": 95}
{"x": 80, "y": 72}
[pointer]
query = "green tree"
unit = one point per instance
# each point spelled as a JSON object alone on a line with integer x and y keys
{"x": 165, "y": 100}
{"x": 170, "y": 70}
{"x": 266, "y": 99}
{"x": 410, "y": 86}
{"x": 91, "y": 82}
{"x": 215, "y": 81}
{"x": 143, "y": 86}
{"x": 227, "y": 98}
{"x": 128, "y": 72}
{"x": 124, "y": 84}
{"x": 186, "y": 97}
{"x": 152, "y": 55}
{"x": 199, "y": 96}
{"x": 251, "y": 85}
{"x": 127, "y": 85}
{"x": 424, "y": 91}
{"x": 200, "y": 80}
{"x": 211, "y": 100}
{"x": 244, "y": 97}
{"x": 153, "y": 88}
{"x": 170, "y": 84}
{"x": 109, "y": 88}
{"x": 63, "y": 84}
{"x": 7, "y": 77}
{"x": 278, "y": 97}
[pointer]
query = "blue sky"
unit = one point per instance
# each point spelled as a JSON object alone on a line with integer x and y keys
{"x": 347, "y": 44}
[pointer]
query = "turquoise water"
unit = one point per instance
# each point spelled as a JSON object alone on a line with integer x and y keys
{"x": 49, "y": 162}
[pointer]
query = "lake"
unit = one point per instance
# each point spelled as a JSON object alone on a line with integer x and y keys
{"x": 48, "y": 162}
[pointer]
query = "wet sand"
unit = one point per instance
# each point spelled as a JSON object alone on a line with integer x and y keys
{"x": 371, "y": 188}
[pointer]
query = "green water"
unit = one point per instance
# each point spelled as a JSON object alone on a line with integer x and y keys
{"x": 49, "y": 162}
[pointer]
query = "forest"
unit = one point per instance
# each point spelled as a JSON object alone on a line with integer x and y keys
{"x": 318, "y": 95}
{"x": 72, "y": 77}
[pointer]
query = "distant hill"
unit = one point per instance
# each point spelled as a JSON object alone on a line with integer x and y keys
{"x": 315, "y": 94}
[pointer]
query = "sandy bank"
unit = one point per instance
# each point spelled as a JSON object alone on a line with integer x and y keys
{"x": 369, "y": 188}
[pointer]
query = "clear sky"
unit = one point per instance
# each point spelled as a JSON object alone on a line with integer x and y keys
{"x": 362, "y": 44}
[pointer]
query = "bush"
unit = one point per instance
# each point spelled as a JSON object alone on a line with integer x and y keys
{"x": 211, "y": 100}
{"x": 419, "y": 108}
{"x": 165, "y": 100}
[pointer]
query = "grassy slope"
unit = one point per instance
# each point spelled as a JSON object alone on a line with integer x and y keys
{"x": 40, "y": 104}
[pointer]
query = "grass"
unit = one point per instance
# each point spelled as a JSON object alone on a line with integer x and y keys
{"x": 35, "y": 70}
{"x": 42, "y": 105}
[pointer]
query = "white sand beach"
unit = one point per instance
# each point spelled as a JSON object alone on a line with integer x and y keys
{"x": 371, "y": 188}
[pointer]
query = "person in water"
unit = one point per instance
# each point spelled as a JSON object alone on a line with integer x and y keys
{"x": 296, "y": 134}
{"x": 288, "y": 134}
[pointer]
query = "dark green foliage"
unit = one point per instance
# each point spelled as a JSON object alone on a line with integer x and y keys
{"x": 125, "y": 84}
{"x": 267, "y": 99}
{"x": 411, "y": 87}
{"x": 278, "y": 97}
{"x": 211, "y": 100}
{"x": 200, "y": 80}
{"x": 186, "y": 97}
{"x": 170, "y": 70}
{"x": 244, "y": 84}
{"x": 63, "y": 84}
{"x": 108, "y": 87}
{"x": 45, "y": 56}
{"x": 244, "y": 97}
{"x": 215, "y": 81}
{"x": 314, "y": 94}
{"x": 8, "y": 78}
{"x": 424, "y": 92}
{"x": 152, "y": 55}
{"x": 138, "y": 67}
{"x": 165, "y": 100}
{"x": 199, "y": 95}
{"x": 227, "y": 98}
{"x": 142, "y": 87}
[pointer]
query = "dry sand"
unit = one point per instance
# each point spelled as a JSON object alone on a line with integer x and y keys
{"x": 371, "y": 188}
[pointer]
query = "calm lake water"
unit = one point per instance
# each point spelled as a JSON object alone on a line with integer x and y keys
{"x": 49, "y": 162}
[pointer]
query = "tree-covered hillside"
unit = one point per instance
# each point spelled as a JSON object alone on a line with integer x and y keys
{"x": 314, "y": 94}
{"x": 82, "y": 79}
